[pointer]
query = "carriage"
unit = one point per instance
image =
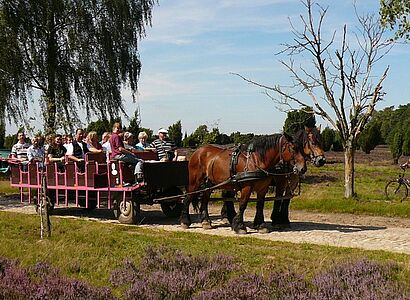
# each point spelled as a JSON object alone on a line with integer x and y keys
{"x": 176, "y": 184}
{"x": 102, "y": 184}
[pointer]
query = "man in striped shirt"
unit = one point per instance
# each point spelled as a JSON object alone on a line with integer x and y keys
{"x": 165, "y": 148}
{"x": 19, "y": 150}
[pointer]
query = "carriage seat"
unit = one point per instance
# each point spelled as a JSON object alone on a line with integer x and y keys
{"x": 147, "y": 155}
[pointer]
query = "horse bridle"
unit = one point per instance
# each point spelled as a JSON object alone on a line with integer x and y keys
{"x": 313, "y": 158}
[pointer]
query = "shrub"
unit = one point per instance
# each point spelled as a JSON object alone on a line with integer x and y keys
{"x": 43, "y": 282}
{"x": 359, "y": 281}
{"x": 168, "y": 274}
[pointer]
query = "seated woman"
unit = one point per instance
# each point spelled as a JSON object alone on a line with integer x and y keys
{"x": 92, "y": 142}
{"x": 142, "y": 145}
{"x": 119, "y": 152}
{"x": 129, "y": 142}
{"x": 56, "y": 152}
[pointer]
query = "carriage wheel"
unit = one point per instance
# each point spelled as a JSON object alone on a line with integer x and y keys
{"x": 172, "y": 209}
{"x": 395, "y": 190}
{"x": 128, "y": 211}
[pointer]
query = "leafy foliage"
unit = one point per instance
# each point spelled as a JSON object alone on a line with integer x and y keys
{"x": 99, "y": 126}
{"x": 134, "y": 126}
{"x": 393, "y": 126}
{"x": 175, "y": 133}
{"x": 395, "y": 15}
{"x": 369, "y": 138}
{"x": 299, "y": 119}
{"x": 328, "y": 136}
{"x": 78, "y": 54}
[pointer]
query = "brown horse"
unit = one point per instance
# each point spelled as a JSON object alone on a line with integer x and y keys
{"x": 308, "y": 142}
{"x": 248, "y": 172}
{"x": 308, "y": 139}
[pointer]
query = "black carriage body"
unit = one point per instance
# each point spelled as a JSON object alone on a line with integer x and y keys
{"x": 166, "y": 174}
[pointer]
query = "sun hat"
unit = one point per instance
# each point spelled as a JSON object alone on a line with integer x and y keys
{"x": 162, "y": 130}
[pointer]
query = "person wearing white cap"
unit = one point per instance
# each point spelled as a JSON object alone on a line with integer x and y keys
{"x": 165, "y": 148}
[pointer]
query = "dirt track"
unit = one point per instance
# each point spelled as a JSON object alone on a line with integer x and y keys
{"x": 341, "y": 230}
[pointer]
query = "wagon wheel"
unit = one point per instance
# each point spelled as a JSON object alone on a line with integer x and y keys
{"x": 172, "y": 209}
{"x": 128, "y": 211}
{"x": 396, "y": 191}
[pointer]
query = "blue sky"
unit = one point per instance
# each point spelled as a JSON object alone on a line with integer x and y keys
{"x": 192, "y": 48}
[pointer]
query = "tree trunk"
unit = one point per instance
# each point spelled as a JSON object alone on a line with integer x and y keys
{"x": 51, "y": 108}
{"x": 349, "y": 171}
{"x": 45, "y": 226}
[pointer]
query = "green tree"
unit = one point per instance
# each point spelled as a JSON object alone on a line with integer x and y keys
{"x": 328, "y": 137}
{"x": 196, "y": 139}
{"x": 175, "y": 133}
{"x": 369, "y": 138}
{"x": 239, "y": 138}
{"x": 212, "y": 137}
{"x": 396, "y": 146}
{"x": 2, "y": 132}
{"x": 134, "y": 126}
{"x": 395, "y": 16}
{"x": 78, "y": 54}
{"x": 299, "y": 119}
{"x": 99, "y": 126}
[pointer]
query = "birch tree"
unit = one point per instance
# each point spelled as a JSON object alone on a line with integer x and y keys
{"x": 79, "y": 55}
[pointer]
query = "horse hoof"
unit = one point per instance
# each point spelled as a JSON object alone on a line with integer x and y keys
{"x": 206, "y": 225}
{"x": 225, "y": 221}
{"x": 241, "y": 231}
{"x": 263, "y": 230}
{"x": 184, "y": 226}
{"x": 284, "y": 226}
{"x": 276, "y": 227}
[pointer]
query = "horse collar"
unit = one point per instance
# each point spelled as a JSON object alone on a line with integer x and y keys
{"x": 281, "y": 149}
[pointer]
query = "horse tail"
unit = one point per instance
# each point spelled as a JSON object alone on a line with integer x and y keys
{"x": 195, "y": 202}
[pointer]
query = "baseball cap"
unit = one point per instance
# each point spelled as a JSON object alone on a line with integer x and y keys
{"x": 162, "y": 130}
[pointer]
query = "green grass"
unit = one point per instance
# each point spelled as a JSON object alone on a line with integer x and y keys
{"x": 323, "y": 191}
{"x": 5, "y": 188}
{"x": 89, "y": 250}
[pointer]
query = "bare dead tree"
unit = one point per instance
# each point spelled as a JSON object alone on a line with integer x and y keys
{"x": 339, "y": 81}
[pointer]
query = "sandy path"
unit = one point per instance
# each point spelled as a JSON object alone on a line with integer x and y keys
{"x": 341, "y": 230}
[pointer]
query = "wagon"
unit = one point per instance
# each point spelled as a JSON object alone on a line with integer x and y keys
{"x": 103, "y": 185}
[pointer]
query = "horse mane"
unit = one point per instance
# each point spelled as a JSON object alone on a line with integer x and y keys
{"x": 263, "y": 143}
{"x": 301, "y": 137}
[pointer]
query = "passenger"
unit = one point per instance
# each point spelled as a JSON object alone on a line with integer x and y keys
{"x": 67, "y": 139}
{"x": 19, "y": 150}
{"x": 77, "y": 149}
{"x": 56, "y": 152}
{"x": 92, "y": 143}
{"x": 118, "y": 152}
{"x": 105, "y": 142}
{"x": 105, "y": 137}
{"x": 35, "y": 152}
{"x": 165, "y": 148}
{"x": 142, "y": 145}
{"x": 129, "y": 142}
{"x": 49, "y": 140}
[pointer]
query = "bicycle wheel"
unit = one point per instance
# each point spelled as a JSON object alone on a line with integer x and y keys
{"x": 395, "y": 190}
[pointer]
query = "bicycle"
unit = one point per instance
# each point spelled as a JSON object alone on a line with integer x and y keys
{"x": 398, "y": 189}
